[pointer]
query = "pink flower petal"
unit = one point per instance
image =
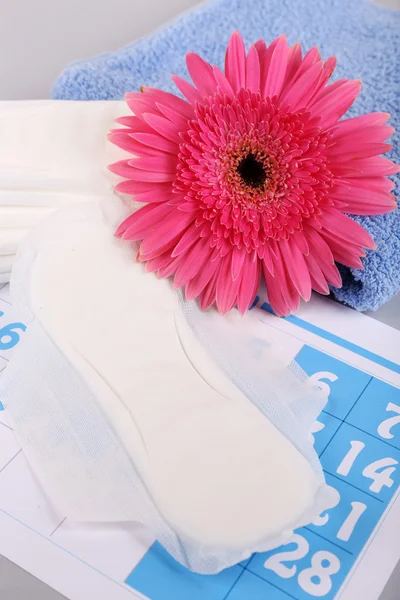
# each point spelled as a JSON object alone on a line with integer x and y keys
{"x": 124, "y": 141}
{"x": 202, "y": 74}
{"x": 191, "y": 235}
{"x": 143, "y": 220}
{"x": 235, "y": 62}
{"x": 335, "y": 102}
{"x": 222, "y": 82}
{"x": 187, "y": 89}
{"x": 131, "y": 220}
{"x": 139, "y": 104}
{"x": 164, "y": 163}
{"x": 267, "y": 258}
{"x": 296, "y": 268}
{"x": 275, "y": 297}
{"x": 238, "y": 258}
{"x": 154, "y": 264}
{"x": 293, "y": 63}
{"x": 318, "y": 280}
{"x": 208, "y": 295}
{"x": 135, "y": 174}
{"x": 226, "y": 288}
{"x": 170, "y": 268}
{"x": 298, "y": 94}
{"x": 196, "y": 285}
{"x": 287, "y": 287}
{"x": 253, "y": 70}
{"x": 373, "y": 166}
{"x": 155, "y": 195}
{"x": 127, "y": 121}
{"x": 166, "y": 234}
{"x": 358, "y": 151}
{"x": 179, "y": 121}
{"x": 357, "y": 125}
{"x": 249, "y": 282}
{"x": 326, "y": 73}
{"x": 261, "y": 48}
{"x": 381, "y": 185}
{"x": 163, "y": 126}
{"x": 301, "y": 242}
{"x": 334, "y": 221}
{"x": 265, "y": 54}
{"x": 136, "y": 125}
{"x": 276, "y": 69}
{"x": 318, "y": 247}
{"x": 311, "y": 58}
{"x": 330, "y": 271}
{"x": 153, "y": 140}
{"x": 377, "y": 133}
{"x": 358, "y": 202}
{"x": 149, "y": 193}
{"x": 182, "y": 107}
{"x": 192, "y": 263}
{"x": 345, "y": 257}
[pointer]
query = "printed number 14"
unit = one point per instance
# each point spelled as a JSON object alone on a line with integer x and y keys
{"x": 380, "y": 478}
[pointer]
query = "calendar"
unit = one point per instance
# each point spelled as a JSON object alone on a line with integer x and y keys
{"x": 348, "y": 552}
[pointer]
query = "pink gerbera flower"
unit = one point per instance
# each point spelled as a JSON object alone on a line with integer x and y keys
{"x": 252, "y": 175}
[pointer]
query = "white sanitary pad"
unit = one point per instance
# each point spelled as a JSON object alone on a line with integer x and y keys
{"x": 120, "y": 396}
{"x": 52, "y": 154}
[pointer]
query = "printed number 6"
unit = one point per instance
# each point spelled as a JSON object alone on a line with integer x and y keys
{"x": 9, "y": 331}
{"x": 316, "y": 378}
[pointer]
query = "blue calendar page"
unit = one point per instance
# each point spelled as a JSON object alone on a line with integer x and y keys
{"x": 357, "y": 437}
{"x": 349, "y": 551}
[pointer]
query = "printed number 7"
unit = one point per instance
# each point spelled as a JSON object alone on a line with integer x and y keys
{"x": 385, "y": 427}
{"x": 9, "y": 332}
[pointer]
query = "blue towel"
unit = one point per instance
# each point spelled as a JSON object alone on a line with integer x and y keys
{"x": 364, "y": 37}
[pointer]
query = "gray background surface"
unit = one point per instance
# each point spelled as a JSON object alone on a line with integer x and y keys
{"x": 37, "y": 39}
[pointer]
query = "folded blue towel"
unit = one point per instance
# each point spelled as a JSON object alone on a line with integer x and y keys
{"x": 366, "y": 40}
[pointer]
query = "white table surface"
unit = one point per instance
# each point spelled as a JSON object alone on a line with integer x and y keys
{"x": 37, "y": 39}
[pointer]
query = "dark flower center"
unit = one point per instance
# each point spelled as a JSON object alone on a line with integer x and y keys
{"x": 252, "y": 171}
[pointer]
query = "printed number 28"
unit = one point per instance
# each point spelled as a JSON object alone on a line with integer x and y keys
{"x": 8, "y": 334}
{"x": 316, "y": 579}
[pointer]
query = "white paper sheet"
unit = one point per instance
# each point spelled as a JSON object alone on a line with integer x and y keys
{"x": 349, "y": 554}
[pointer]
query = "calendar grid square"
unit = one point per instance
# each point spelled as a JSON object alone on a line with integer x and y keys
{"x": 352, "y": 485}
{"x": 343, "y": 420}
{"x": 234, "y": 584}
{"x": 373, "y": 436}
{"x": 359, "y": 396}
{"x": 331, "y": 440}
{"x": 328, "y": 540}
{"x": 272, "y": 584}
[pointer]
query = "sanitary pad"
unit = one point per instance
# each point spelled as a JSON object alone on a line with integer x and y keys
{"x": 51, "y": 154}
{"x": 125, "y": 414}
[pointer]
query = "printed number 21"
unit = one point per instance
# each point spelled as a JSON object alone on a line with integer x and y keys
{"x": 8, "y": 334}
{"x": 316, "y": 579}
{"x": 380, "y": 479}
